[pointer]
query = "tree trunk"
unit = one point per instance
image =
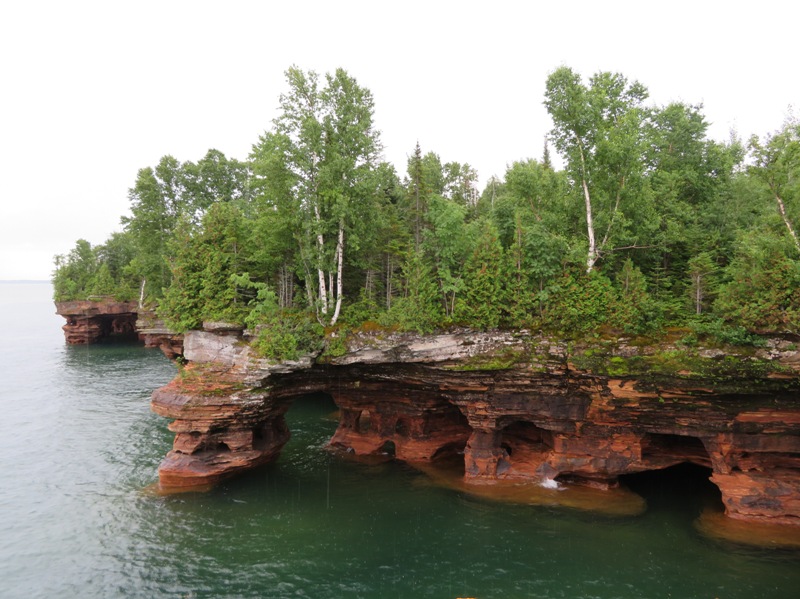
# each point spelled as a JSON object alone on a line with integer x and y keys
{"x": 141, "y": 294}
{"x": 782, "y": 210}
{"x": 285, "y": 286}
{"x": 369, "y": 284}
{"x": 323, "y": 291}
{"x": 591, "y": 256}
{"x": 339, "y": 265}
{"x": 698, "y": 294}
{"x": 389, "y": 280}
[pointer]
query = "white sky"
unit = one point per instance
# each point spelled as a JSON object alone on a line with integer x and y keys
{"x": 92, "y": 91}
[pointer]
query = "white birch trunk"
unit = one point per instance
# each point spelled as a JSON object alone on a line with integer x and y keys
{"x": 591, "y": 256}
{"x": 141, "y": 294}
{"x": 339, "y": 268}
{"x": 323, "y": 291}
{"x": 782, "y": 210}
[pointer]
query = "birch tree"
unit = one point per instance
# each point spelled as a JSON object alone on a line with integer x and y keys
{"x": 598, "y": 129}
{"x": 777, "y": 163}
{"x": 331, "y": 148}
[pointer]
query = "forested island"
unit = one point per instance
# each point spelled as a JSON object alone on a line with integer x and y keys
{"x": 634, "y": 310}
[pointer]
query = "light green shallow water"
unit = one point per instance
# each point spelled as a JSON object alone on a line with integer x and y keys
{"x": 79, "y": 446}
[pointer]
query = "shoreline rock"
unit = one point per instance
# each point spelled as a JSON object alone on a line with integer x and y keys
{"x": 516, "y": 406}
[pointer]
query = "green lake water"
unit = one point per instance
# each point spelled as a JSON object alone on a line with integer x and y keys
{"x": 79, "y": 449}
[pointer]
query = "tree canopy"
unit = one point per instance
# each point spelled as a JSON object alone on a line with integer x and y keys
{"x": 649, "y": 225}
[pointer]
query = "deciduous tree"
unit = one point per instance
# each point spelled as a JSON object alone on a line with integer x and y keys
{"x": 598, "y": 128}
{"x": 777, "y": 164}
{"x": 330, "y": 149}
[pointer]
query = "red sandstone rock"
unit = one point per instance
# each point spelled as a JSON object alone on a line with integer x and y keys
{"x": 90, "y": 321}
{"x": 537, "y": 420}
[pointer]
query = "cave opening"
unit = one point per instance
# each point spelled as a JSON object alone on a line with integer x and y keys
{"x": 363, "y": 422}
{"x": 521, "y": 433}
{"x": 388, "y": 449}
{"x": 118, "y": 328}
{"x": 684, "y": 487}
{"x": 450, "y": 452}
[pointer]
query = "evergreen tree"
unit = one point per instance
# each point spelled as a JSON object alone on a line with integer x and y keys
{"x": 481, "y": 303}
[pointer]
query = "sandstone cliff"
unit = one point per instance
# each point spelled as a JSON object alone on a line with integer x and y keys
{"x": 91, "y": 321}
{"x": 516, "y": 406}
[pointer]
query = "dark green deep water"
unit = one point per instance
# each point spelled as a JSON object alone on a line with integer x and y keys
{"x": 79, "y": 447}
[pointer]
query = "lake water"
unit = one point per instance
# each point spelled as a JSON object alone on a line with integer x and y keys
{"x": 79, "y": 448}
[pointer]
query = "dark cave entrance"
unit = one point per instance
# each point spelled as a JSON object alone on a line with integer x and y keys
{"x": 684, "y": 487}
{"x": 521, "y": 434}
{"x": 388, "y": 449}
{"x": 363, "y": 422}
{"x": 117, "y": 328}
{"x": 678, "y": 475}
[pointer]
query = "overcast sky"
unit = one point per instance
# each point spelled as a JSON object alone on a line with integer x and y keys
{"x": 90, "y": 92}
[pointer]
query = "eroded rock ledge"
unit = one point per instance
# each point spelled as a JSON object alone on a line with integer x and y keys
{"x": 90, "y": 321}
{"x": 517, "y": 406}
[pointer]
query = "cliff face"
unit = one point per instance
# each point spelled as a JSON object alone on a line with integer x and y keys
{"x": 517, "y": 407}
{"x": 89, "y": 322}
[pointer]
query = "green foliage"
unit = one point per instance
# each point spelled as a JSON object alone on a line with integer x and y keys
{"x": 328, "y": 149}
{"x": 447, "y": 242}
{"x": 632, "y": 309}
{"x": 288, "y": 335}
{"x": 669, "y": 226}
{"x": 360, "y": 312}
{"x": 481, "y": 304}
{"x": 580, "y": 302}
{"x": 777, "y": 164}
{"x": 703, "y": 274}
{"x": 599, "y": 129}
{"x": 73, "y": 273}
{"x": 419, "y": 309}
{"x": 280, "y": 334}
{"x": 168, "y": 195}
{"x": 336, "y": 344}
{"x": 102, "y": 283}
{"x": 617, "y": 366}
{"x": 763, "y": 288}
{"x": 719, "y": 331}
{"x": 88, "y": 272}
{"x": 204, "y": 267}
